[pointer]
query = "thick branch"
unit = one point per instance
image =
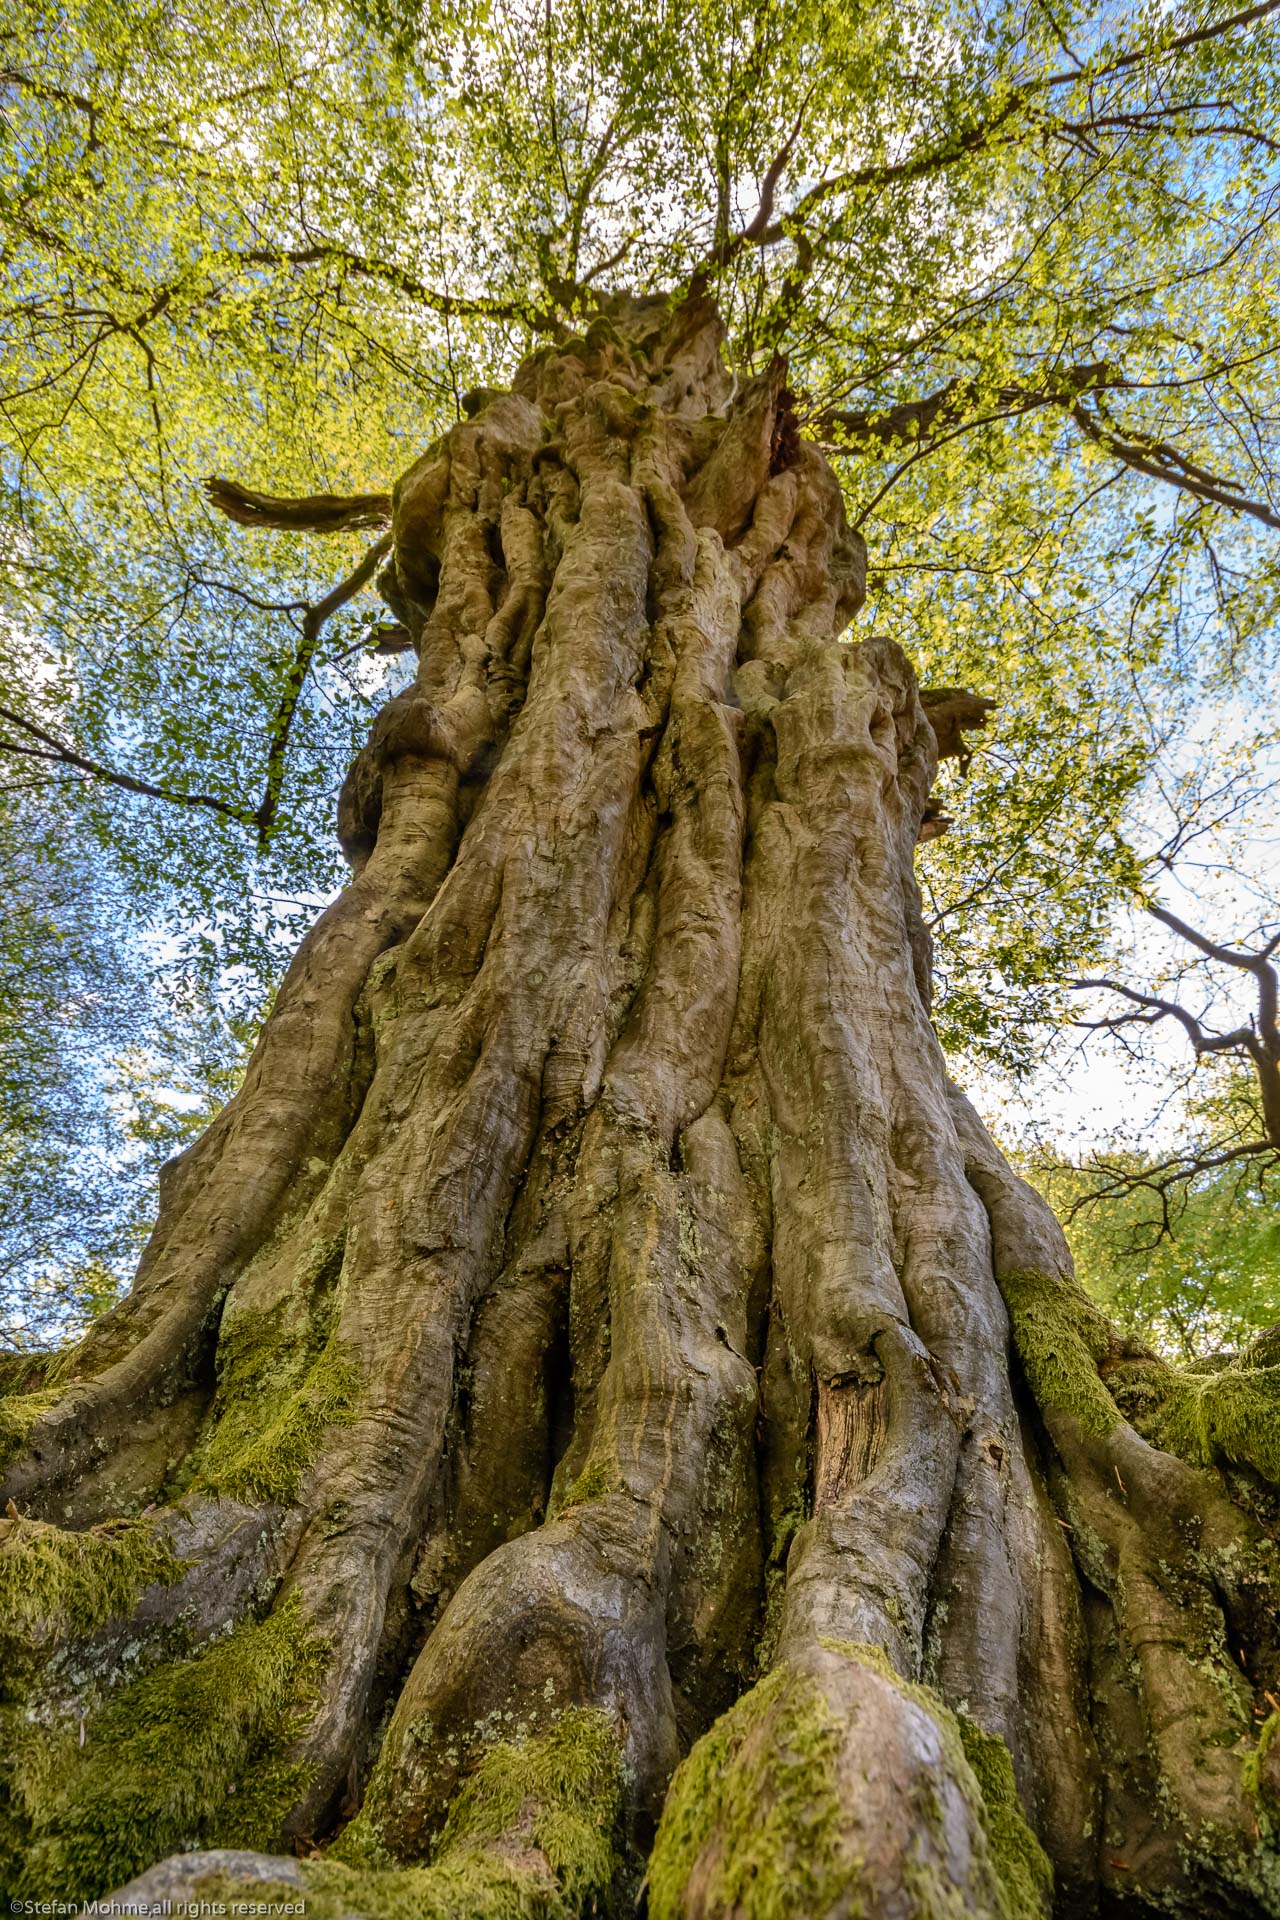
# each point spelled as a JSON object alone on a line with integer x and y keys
{"x": 313, "y": 513}
{"x": 1159, "y": 461}
{"x": 1201, "y": 1039}
{"x": 911, "y": 420}
{"x": 952, "y": 712}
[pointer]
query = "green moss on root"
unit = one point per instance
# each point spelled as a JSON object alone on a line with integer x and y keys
{"x": 981, "y": 1761}
{"x": 193, "y": 1753}
{"x": 18, "y": 1414}
{"x": 983, "y": 1769}
{"x": 1061, "y": 1339}
{"x": 22, "y": 1373}
{"x": 1227, "y": 1416}
{"x": 1021, "y": 1862}
{"x": 277, "y": 1393}
{"x": 55, "y": 1584}
{"x": 531, "y": 1836}
{"x": 773, "y": 1807}
{"x": 598, "y": 1478}
{"x": 1254, "y": 1762}
{"x": 776, "y": 1814}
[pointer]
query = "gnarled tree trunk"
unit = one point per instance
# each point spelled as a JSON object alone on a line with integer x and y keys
{"x": 596, "y": 1408}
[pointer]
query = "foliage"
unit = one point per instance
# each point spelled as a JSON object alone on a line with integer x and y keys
{"x": 110, "y": 1062}
{"x": 1193, "y": 1272}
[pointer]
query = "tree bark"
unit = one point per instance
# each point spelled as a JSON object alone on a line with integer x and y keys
{"x": 597, "y": 1415}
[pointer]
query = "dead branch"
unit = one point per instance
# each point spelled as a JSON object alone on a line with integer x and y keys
{"x": 313, "y": 513}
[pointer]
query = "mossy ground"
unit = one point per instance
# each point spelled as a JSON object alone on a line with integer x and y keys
{"x": 191, "y": 1753}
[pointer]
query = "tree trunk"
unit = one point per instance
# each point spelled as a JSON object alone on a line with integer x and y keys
{"x": 566, "y": 1431}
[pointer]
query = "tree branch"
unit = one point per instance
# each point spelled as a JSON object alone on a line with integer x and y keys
{"x": 58, "y": 753}
{"x": 313, "y": 513}
{"x": 912, "y": 419}
{"x": 312, "y": 627}
{"x": 959, "y": 146}
{"x": 1158, "y": 461}
{"x": 1179, "y": 1170}
{"x": 1259, "y": 1042}
{"x": 1201, "y": 1040}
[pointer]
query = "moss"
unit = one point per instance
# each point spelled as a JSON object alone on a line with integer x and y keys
{"x": 18, "y": 1414}
{"x": 783, "y": 1530}
{"x": 1061, "y": 1339}
{"x": 776, "y": 1813}
{"x": 1021, "y": 1862}
{"x": 55, "y": 1584}
{"x": 972, "y": 1755}
{"x": 481, "y": 1888}
{"x": 981, "y": 1764}
{"x": 220, "y": 1890}
{"x": 193, "y": 1753}
{"x": 531, "y": 1836}
{"x": 277, "y": 1392}
{"x": 1228, "y": 1416}
{"x": 773, "y": 1807}
{"x": 598, "y": 1478}
{"x": 1253, "y": 1762}
{"x": 22, "y": 1373}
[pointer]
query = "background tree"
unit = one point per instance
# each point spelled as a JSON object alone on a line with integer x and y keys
{"x": 1205, "y": 1286}
{"x": 584, "y": 1339}
{"x": 1174, "y": 1227}
{"x": 1243, "y": 1125}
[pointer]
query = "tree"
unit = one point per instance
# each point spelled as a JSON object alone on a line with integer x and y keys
{"x": 1205, "y": 1286}
{"x": 596, "y": 1403}
{"x": 1244, "y": 1127}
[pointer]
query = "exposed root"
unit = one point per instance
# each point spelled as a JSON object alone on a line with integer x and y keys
{"x": 834, "y": 1788}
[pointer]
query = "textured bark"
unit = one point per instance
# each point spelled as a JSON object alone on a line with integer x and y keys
{"x": 586, "y": 1337}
